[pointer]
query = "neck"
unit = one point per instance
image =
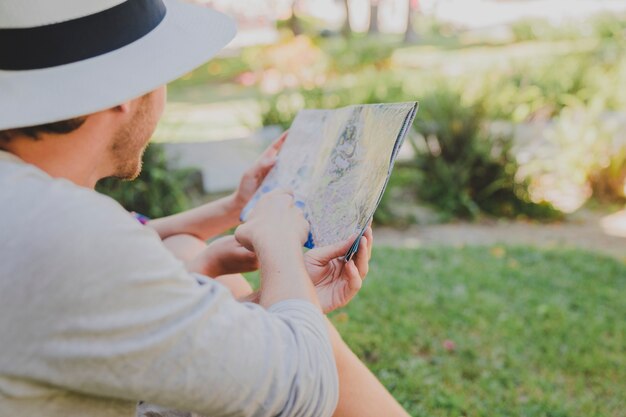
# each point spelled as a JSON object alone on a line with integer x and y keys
{"x": 80, "y": 156}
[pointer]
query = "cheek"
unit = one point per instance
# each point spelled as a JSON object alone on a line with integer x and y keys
{"x": 157, "y": 112}
{"x": 160, "y": 100}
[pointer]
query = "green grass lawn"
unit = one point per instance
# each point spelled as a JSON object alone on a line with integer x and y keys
{"x": 494, "y": 331}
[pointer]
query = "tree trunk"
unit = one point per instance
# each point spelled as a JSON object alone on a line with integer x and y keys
{"x": 346, "y": 30}
{"x": 373, "y": 29}
{"x": 410, "y": 35}
{"x": 293, "y": 23}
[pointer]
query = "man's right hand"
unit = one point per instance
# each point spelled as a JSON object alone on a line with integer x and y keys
{"x": 274, "y": 218}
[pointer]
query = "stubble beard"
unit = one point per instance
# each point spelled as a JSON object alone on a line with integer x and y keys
{"x": 130, "y": 143}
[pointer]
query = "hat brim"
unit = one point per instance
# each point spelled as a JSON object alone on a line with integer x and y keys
{"x": 188, "y": 36}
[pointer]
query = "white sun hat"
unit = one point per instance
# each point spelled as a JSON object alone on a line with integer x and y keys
{"x": 61, "y": 59}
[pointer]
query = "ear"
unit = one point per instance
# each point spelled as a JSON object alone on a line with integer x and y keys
{"x": 123, "y": 108}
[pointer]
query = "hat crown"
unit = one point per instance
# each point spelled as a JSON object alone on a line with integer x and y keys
{"x": 61, "y": 59}
{"x": 16, "y": 14}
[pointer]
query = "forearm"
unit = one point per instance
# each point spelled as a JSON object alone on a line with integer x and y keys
{"x": 361, "y": 393}
{"x": 283, "y": 274}
{"x": 202, "y": 222}
{"x": 253, "y": 297}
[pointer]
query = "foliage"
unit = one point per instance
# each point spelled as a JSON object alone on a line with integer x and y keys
{"x": 217, "y": 70}
{"x": 493, "y": 331}
{"x": 293, "y": 62}
{"x": 604, "y": 26}
{"x": 466, "y": 171}
{"x": 429, "y": 27}
{"x": 399, "y": 198}
{"x": 358, "y": 52}
{"x": 608, "y": 181}
{"x": 372, "y": 87}
{"x": 538, "y": 29}
{"x": 158, "y": 191}
{"x": 580, "y": 154}
{"x": 609, "y": 26}
{"x": 580, "y": 65}
{"x": 530, "y": 91}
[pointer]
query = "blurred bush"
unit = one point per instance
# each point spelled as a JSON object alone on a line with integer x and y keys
{"x": 604, "y": 26}
{"x": 462, "y": 167}
{"x": 369, "y": 87}
{"x": 217, "y": 70}
{"x": 534, "y": 92}
{"x": 158, "y": 191}
{"x": 582, "y": 153}
{"x": 578, "y": 154}
{"x": 465, "y": 170}
{"x": 531, "y": 91}
{"x": 537, "y": 29}
{"x": 291, "y": 63}
{"x": 609, "y": 26}
{"x": 475, "y": 171}
{"x": 459, "y": 168}
{"x": 357, "y": 53}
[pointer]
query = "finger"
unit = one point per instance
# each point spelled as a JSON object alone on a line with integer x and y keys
{"x": 277, "y": 192}
{"x": 274, "y": 148}
{"x": 241, "y": 237}
{"x": 264, "y": 168}
{"x": 370, "y": 241}
{"x": 361, "y": 259}
{"x": 263, "y": 165}
{"x": 244, "y": 253}
{"x": 249, "y": 259}
{"x": 268, "y": 158}
{"x": 327, "y": 253}
{"x": 354, "y": 281}
{"x": 281, "y": 190}
{"x": 278, "y": 143}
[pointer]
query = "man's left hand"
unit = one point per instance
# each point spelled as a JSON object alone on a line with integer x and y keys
{"x": 337, "y": 282}
{"x": 253, "y": 177}
{"x": 223, "y": 256}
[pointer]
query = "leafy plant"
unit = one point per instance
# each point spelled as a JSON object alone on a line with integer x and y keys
{"x": 217, "y": 70}
{"x": 397, "y": 206}
{"x": 578, "y": 156}
{"x": 358, "y": 52}
{"x": 158, "y": 191}
{"x": 372, "y": 87}
{"x": 537, "y": 29}
{"x": 465, "y": 171}
{"x": 610, "y": 26}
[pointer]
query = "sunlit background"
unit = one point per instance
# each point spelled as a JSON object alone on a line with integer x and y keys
{"x": 502, "y": 292}
{"x": 534, "y": 88}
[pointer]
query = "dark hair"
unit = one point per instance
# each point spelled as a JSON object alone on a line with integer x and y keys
{"x": 33, "y": 132}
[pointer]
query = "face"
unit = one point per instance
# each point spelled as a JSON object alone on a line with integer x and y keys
{"x": 131, "y": 139}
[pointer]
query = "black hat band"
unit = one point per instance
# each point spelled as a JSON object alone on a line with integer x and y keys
{"x": 79, "y": 39}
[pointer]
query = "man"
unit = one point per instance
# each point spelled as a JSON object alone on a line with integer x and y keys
{"x": 96, "y": 312}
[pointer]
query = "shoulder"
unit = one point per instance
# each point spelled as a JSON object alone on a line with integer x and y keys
{"x": 28, "y": 192}
{"x": 73, "y": 249}
{"x": 54, "y": 223}
{"x": 34, "y": 202}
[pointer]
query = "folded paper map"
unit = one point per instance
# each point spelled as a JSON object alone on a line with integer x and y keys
{"x": 337, "y": 164}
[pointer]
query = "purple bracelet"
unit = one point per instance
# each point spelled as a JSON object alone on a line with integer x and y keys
{"x": 140, "y": 217}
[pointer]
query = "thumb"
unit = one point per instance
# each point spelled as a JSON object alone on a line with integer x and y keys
{"x": 267, "y": 163}
{"x": 329, "y": 252}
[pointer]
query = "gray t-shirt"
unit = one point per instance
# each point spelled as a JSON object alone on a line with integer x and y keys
{"x": 96, "y": 314}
